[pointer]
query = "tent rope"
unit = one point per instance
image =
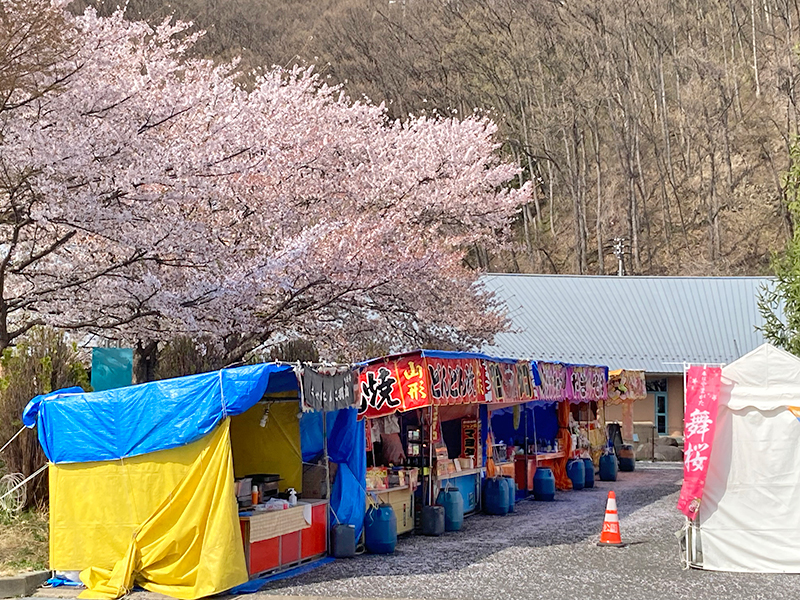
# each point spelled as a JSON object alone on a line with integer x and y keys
{"x": 15, "y": 436}
{"x": 24, "y": 481}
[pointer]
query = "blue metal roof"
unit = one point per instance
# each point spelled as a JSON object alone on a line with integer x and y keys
{"x": 650, "y": 323}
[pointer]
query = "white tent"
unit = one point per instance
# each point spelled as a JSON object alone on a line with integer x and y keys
{"x": 750, "y": 510}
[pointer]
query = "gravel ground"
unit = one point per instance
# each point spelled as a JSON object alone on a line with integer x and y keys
{"x": 546, "y": 550}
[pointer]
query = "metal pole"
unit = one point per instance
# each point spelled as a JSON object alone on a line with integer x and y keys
{"x": 430, "y": 457}
{"x": 536, "y": 437}
{"x": 327, "y": 474}
{"x": 525, "y": 464}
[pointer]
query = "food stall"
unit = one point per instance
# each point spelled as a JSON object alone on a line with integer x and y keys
{"x": 625, "y": 386}
{"x": 174, "y": 456}
{"x": 527, "y": 432}
{"x": 587, "y": 389}
{"x": 556, "y": 439}
{"x": 284, "y": 512}
{"x": 511, "y": 423}
{"x": 423, "y": 410}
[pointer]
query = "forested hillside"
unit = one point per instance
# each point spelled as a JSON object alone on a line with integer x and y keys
{"x": 666, "y": 123}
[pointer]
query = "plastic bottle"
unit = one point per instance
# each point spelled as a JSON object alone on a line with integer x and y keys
{"x": 292, "y": 497}
{"x": 254, "y": 495}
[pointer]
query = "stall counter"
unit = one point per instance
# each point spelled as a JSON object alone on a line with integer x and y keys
{"x": 525, "y": 467}
{"x": 279, "y": 539}
{"x": 468, "y": 483}
{"x": 401, "y": 499}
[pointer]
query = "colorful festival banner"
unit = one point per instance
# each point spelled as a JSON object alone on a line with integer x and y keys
{"x": 702, "y": 396}
{"x": 453, "y": 380}
{"x": 587, "y": 383}
{"x": 626, "y": 385}
{"x": 510, "y": 389}
{"x": 508, "y": 382}
{"x": 525, "y": 381}
{"x": 414, "y": 389}
{"x": 379, "y": 389}
{"x": 553, "y": 380}
{"x": 416, "y": 380}
{"x": 494, "y": 381}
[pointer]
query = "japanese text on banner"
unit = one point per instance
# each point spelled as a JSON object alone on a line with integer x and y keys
{"x": 702, "y": 396}
{"x": 379, "y": 390}
{"x": 413, "y": 383}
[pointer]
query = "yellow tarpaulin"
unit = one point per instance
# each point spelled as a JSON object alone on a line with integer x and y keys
{"x": 177, "y": 515}
{"x": 96, "y": 507}
{"x": 274, "y": 448}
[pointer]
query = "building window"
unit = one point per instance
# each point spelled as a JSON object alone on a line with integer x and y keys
{"x": 661, "y": 412}
{"x": 656, "y": 385}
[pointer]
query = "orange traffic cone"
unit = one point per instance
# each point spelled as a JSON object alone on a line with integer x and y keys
{"x": 610, "y": 535}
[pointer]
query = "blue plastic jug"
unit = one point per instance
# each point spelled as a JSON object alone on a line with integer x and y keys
{"x": 453, "y": 503}
{"x": 588, "y": 473}
{"x": 576, "y": 473}
{"x": 544, "y": 484}
{"x": 495, "y": 497}
{"x": 380, "y": 529}
{"x": 608, "y": 467}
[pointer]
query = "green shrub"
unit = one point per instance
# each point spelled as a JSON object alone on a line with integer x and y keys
{"x": 41, "y": 362}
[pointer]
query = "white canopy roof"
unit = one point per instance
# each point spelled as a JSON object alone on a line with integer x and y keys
{"x": 765, "y": 378}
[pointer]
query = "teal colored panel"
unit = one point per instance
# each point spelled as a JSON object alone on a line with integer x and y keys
{"x": 111, "y": 368}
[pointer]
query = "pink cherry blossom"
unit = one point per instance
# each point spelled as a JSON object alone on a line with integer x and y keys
{"x": 147, "y": 194}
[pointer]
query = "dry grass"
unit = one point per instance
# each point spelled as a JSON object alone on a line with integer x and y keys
{"x": 23, "y": 542}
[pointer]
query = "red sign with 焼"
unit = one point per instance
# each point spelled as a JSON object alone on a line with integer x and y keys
{"x": 702, "y": 396}
{"x": 379, "y": 389}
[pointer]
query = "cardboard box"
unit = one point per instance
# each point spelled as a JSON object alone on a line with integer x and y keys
{"x": 315, "y": 484}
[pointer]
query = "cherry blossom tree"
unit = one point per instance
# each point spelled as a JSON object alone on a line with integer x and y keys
{"x": 147, "y": 195}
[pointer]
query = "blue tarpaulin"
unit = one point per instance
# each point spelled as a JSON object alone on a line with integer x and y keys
{"x": 541, "y": 419}
{"x": 74, "y": 426}
{"x": 311, "y": 436}
{"x": 346, "y": 447}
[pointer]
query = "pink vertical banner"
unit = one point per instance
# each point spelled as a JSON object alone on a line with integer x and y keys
{"x": 700, "y": 416}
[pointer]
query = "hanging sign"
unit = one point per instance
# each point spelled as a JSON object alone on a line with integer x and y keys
{"x": 494, "y": 381}
{"x": 413, "y": 383}
{"x": 510, "y": 387}
{"x": 453, "y": 380}
{"x": 626, "y": 385}
{"x": 587, "y": 383}
{"x": 525, "y": 381}
{"x": 469, "y": 438}
{"x": 436, "y": 426}
{"x": 553, "y": 381}
{"x": 702, "y": 396}
{"x": 379, "y": 389}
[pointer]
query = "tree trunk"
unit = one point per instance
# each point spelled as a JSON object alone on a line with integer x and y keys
{"x": 145, "y": 361}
